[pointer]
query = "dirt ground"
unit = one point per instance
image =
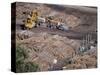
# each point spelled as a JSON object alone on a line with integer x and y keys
{"x": 54, "y": 49}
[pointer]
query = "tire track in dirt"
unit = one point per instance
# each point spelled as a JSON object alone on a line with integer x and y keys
{"x": 70, "y": 33}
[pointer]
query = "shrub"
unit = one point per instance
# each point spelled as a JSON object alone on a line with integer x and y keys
{"x": 22, "y": 66}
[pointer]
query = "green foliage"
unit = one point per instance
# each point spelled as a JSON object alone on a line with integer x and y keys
{"x": 22, "y": 66}
{"x": 21, "y": 54}
{"x": 26, "y": 67}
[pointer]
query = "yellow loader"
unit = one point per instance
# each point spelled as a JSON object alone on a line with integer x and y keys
{"x": 31, "y": 21}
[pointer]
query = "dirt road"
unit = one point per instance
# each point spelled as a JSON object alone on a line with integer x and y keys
{"x": 70, "y": 33}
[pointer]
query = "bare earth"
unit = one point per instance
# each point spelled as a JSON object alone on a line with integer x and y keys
{"x": 54, "y": 49}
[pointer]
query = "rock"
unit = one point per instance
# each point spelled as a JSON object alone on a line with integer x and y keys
{"x": 23, "y": 34}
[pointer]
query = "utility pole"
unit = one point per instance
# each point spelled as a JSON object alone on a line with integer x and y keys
{"x": 85, "y": 44}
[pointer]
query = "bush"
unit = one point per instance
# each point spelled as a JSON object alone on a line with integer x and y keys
{"x": 22, "y": 66}
{"x": 26, "y": 67}
{"x": 21, "y": 54}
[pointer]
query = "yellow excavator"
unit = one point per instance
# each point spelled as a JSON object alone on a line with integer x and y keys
{"x": 31, "y": 21}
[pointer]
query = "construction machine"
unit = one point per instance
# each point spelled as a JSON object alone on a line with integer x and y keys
{"x": 31, "y": 20}
{"x": 56, "y": 23}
